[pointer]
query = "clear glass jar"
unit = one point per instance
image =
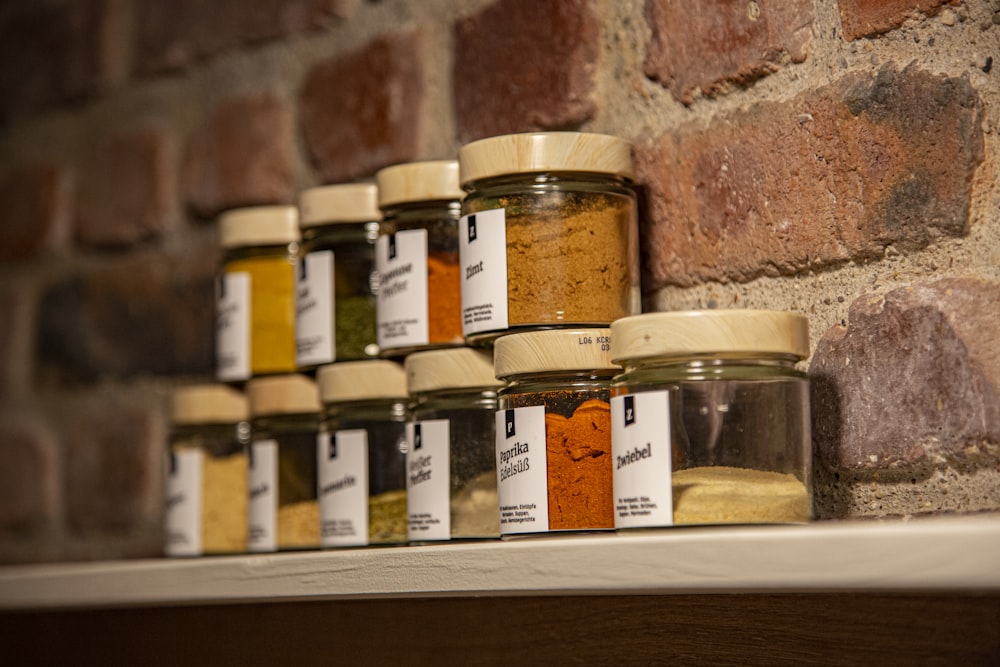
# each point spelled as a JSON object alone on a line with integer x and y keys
{"x": 255, "y": 294}
{"x": 205, "y": 509}
{"x": 549, "y": 235}
{"x": 362, "y": 453}
{"x": 336, "y": 281}
{"x": 451, "y": 464}
{"x": 554, "y": 462}
{"x": 711, "y": 419}
{"x": 283, "y": 505}
{"x": 419, "y": 299}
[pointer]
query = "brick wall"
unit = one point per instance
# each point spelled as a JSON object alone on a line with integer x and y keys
{"x": 838, "y": 159}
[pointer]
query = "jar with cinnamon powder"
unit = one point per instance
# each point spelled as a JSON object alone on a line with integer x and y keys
{"x": 549, "y": 235}
{"x": 416, "y": 256}
{"x": 554, "y": 462}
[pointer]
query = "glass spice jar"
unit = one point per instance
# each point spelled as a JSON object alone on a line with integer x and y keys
{"x": 417, "y": 257}
{"x": 335, "y": 279}
{"x": 362, "y": 453}
{"x": 549, "y": 235}
{"x": 554, "y": 431}
{"x": 206, "y": 483}
{"x": 255, "y": 295}
{"x": 711, "y": 418}
{"x": 451, "y": 472}
{"x": 283, "y": 506}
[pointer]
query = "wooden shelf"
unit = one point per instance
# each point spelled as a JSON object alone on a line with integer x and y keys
{"x": 953, "y": 555}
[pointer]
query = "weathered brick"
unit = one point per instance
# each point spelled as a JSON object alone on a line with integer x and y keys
{"x": 114, "y": 462}
{"x": 724, "y": 43}
{"x": 360, "y": 111}
{"x": 16, "y": 333}
{"x": 145, "y": 314}
{"x": 860, "y": 18}
{"x": 913, "y": 377}
{"x": 242, "y": 155}
{"x": 835, "y": 174}
{"x": 29, "y": 472}
{"x": 127, "y": 189}
{"x": 34, "y": 210}
{"x": 523, "y": 65}
{"x": 173, "y": 33}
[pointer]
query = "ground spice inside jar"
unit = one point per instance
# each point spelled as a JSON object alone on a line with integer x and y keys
{"x": 272, "y": 312}
{"x": 578, "y": 451}
{"x": 444, "y": 299}
{"x": 387, "y": 518}
{"x": 224, "y": 504}
{"x": 722, "y": 494}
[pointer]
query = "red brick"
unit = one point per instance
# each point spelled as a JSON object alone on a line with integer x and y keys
{"x": 172, "y": 33}
{"x": 16, "y": 334}
{"x": 34, "y": 210}
{"x": 361, "y": 111}
{"x": 913, "y": 377}
{"x": 29, "y": 472}
{"x": 145, "y": 314}
{"x": 861, "y": 18}
{"x": 834, "y": 175}
{"x": 127, "y": 189}
{"x": 720, "y": 43}
{"x": 114, "y": 468}
{"x": 242, "y": 155}
{"x": 524, "y": 65}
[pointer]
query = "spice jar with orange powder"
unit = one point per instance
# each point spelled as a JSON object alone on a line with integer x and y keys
{"x": 416, "y": 255}
{"x": 554, "y": 462}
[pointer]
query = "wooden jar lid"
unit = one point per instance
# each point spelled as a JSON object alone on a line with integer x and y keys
{"x": 282, "y": 395}
{"x": 457, "y": 368}
{"x": 259, "y": 225}
{"x": 208, "y": 404}
{"x": 418, "y": 181}
{"x": 552, "y": 350}
{"x": 361, "y": 381}
{"x": 331, "y": 204}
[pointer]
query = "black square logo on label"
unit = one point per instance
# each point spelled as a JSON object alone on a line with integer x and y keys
{"x": 509, "y": 417}
{"x": 302, "y": 269}
{"x": 220, "y": 287}
{"x": 392, "y": 246}
{"x": 173, "y": 464}
{"x": 331, "y": 452}
{"x": 629, "y": 404}
{"x": 472, "y": 228}
{"x": 250, "y": 455}
{"x": 418, "y": 440}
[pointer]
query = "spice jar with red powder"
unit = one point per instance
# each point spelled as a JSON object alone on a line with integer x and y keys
{"x": 554, "y": 462}
{"x": 416, "y": 255}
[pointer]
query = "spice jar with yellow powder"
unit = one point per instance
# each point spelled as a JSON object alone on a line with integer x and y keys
{"x": 206, "y": 482}
{"x": 255, "y": 299}
{"x": 361, "y": 453}
{"x": 283, "y": 505}
{"x": 553, "y": 431}
{"x": 549, "y": 235}
{"x": 419, "y": 302}
{"x": 710, "y": 418}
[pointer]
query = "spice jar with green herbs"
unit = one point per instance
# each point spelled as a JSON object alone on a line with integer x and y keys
{"x": 710, "y": 418}
{"x": 255, "y": 295}
{"x": 553, "y": 446}
{"x": 416, "y": 255}
{"x": 283, "y": 506}
{"x": 206, "y": 483}
{"x": 335, "y": 278}
{"x": 451, "y": 473}
{"x": 361, "y": 453}
{"x": 549, "y": 233}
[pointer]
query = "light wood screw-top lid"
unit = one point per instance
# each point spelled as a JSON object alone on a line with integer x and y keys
{"x": 258, "y": 226}
{"x": 710, "y": 332}
{"x": 552, "y": 350}
{"x": 545, "y": 151}
{"x": 362, "y": 381}
{"x": 282, "y": 395}
{"x": 418, "y": 181}
{"x": 331, "y": 204}
{"x": 208, "y": 404}
{"x": 456, "y": 368}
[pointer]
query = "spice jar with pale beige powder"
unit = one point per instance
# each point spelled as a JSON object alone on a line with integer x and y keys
{"x": 710, "y": 418}
{"x": 549, "y": 233}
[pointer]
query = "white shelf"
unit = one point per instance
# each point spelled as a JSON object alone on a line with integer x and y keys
{"x": 953, "y": 554}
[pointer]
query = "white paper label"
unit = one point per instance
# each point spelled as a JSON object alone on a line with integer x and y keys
{"x": 263, "y": 489}
{"x": 401, "y": 307}
{"x": 640, "y": 442}
{"x": 483, "y": 255}
{"x": 314, "y": 311}
{"x": 183, "y": 503}
{"x": 343, "y": 488}
{"x": 522, "y": 479}
{"x": 232, "y": 327}
{"x": 428, "y": 469}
